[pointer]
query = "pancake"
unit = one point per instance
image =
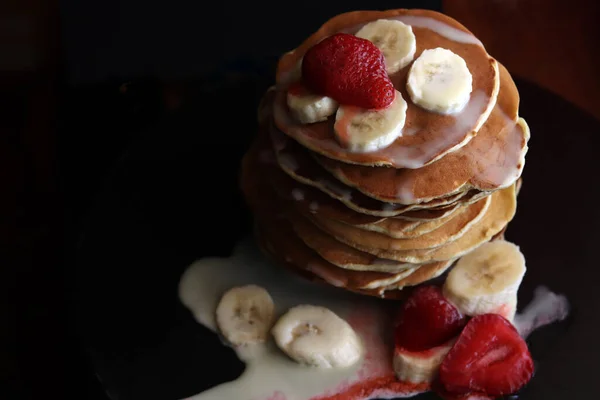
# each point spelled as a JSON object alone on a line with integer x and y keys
{"x": 431, "y": 214}
{"x": 379, "y": 284}
{"x": 285, "y": 244}
{"x": 379, "y": 222}
{"x": 432, "y": 135}
{"x": 493, "y": 160}
{"x": 277, "y": 259}
{"x": 309, "y": 200}
{"x": 392, "y": 291}
{"x": 297, "y": 163}
{"x": 447, "y": 233}
{"x": 341, "y": 254}
{"x": 332, "y": 250}
{"x": 318, "y": 202}
{"x": 280, "y": 241}
{"x": 262, "y": 201}
{"x": 304, "y": 197}
{"x": 403, "y": 229}
{"x": 499, "y": 214}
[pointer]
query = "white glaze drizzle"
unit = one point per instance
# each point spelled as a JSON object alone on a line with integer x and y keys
{"x": 509, "y": 157}
{"x": 545, "y": 308}
{"x": 269, "y": 374}
{"x": 417, "y": 156}
{"x": 268, "y": 371}
{"x": 412, "y": 157}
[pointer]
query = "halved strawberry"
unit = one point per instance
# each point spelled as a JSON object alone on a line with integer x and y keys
{"x": 427, "y": 320}
{"x": 350, "y": 70}
{"x": 489, "y": 356}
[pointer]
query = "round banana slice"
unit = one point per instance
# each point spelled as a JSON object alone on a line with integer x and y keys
{"x": 395, "y": 39}
{"x": 307, "y": 107}
{"x": 440, "y": 81}
{"x": 487, "y": 280}
{"x": 361, "y": 131}
{"x": 245, "y": 315}
{"x": 316, "y": 336}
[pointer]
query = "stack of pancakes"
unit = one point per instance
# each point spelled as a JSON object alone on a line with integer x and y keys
{"x": 377, "y": 222}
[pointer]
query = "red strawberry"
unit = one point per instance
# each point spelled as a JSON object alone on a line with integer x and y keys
{"x": 350, "y": 70}
{"x": 489, "y": 356}
{"x": 427, "y": 320}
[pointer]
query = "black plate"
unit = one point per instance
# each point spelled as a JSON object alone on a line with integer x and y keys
{"x": 173, "y": 197}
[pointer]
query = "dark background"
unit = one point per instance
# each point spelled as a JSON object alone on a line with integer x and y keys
{"x": 79, "y": 81}
{"x": 184, "y": 39}
{"x": 82, "y": 82}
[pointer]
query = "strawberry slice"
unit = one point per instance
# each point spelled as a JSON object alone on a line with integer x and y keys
{"x": 350, "y": 70}
{"x": 427, "y": 320}
{"x": 489, "y": 356}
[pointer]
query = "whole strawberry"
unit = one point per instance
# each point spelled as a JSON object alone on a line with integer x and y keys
{"x": 350, "y": 70}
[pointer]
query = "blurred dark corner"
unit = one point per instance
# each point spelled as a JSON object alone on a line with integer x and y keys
{"x": 79, "y": 80}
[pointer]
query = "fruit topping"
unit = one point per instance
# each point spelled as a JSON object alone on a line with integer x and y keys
{"x": 350, "y": 70}
{"x": 419, "y": 367}
{"x": 360, "y": 130}
{"x": 395, "y": 39}
{"x": 489, "y": 357}
{"x": 427, "y": 320}
{"x": 487, "y": 280}
{"x": 316, "y": 336}
{"x": 440, "y": 81}
{"x": 308, "y": 107}
{"x": 245, "y": 315}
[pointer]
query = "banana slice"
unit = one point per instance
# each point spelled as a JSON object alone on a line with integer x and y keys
{"x": 360, "y": 130}
{"x": 440, "y": 81}
{"x": 307, "y": 107}
{"x": 395, "y": 39}
{"x": 316, "y": 336}
{"x": 487, "y": 279}
{"x": 245, "y": 315}
{"x": 419, "y": 367}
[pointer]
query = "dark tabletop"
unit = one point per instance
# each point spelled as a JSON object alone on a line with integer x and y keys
{"x": 172, "y": 198}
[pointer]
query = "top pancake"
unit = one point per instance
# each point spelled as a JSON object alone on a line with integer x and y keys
{"x": 448, "y": 232}
{"x": 281, "y": 242}
{"x": 494, "y": 159}
{"x": 427, "y": 136}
